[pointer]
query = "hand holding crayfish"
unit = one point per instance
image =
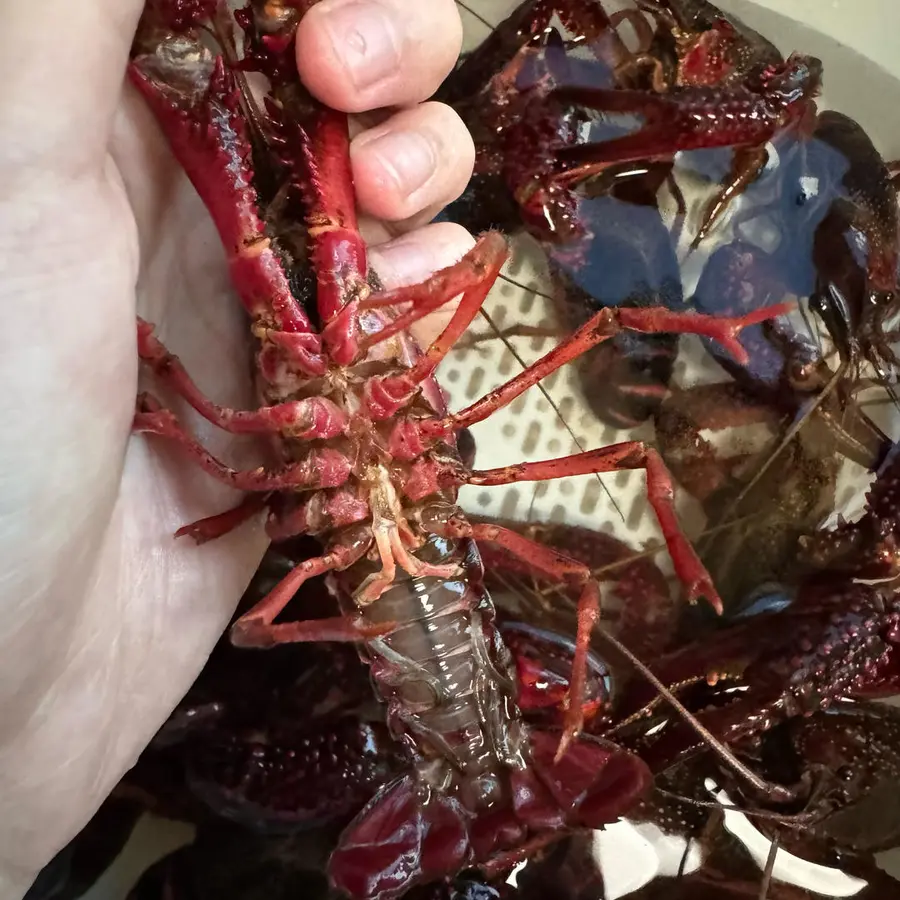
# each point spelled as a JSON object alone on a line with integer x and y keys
{"x": 106, "y": 620}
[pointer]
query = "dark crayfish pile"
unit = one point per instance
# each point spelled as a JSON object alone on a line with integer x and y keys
{"x": 503, "y": 745}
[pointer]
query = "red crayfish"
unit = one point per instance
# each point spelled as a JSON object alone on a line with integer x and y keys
{"x": 588, "y": 187}
{"x": 368, "y": 463}
{"x": 534, "y": 95}
{"x": 701, "y": 79}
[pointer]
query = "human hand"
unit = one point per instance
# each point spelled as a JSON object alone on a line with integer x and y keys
{"x": 106, "y": 619}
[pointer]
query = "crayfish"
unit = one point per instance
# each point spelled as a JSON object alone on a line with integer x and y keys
{"x": 551, "y": 96}
{"x": 808, "y": 211}
{"x": 368, "y": 463}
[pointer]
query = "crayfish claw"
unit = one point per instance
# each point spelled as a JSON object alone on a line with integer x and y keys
{"x": 703, "y": 589}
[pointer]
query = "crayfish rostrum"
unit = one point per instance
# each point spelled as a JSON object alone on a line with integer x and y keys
{"x": 367, "y": 459}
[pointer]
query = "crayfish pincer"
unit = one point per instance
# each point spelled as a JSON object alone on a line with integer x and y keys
{"x": 369, "y": 464}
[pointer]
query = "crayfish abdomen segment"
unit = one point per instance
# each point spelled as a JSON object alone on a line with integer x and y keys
{"x": 446, "y": 676}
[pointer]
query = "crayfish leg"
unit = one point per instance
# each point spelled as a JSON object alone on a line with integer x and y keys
{"x": 304, "y": 417}
{"x": 473, "y": 276}
{"x": 256, "y": 628}
{"x": 560, "y": 569}
{"x": 628, "y": 455}
{"x": 603, "y": 326}
{"x": 319, "y": 469}
{"x": 746, "y": 165}
{"x": 212, "y": 527}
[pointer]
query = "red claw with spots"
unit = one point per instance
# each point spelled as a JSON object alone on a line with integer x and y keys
{"x": 699, "y": 79}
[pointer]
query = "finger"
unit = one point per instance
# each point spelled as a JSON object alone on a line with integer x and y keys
{"x": 61, "y": 68}
{"x": 416, "y": 256}
{"x": 412, "y": 258}
{"x": 356, "y": 55}
{"x": 418, "y": 160}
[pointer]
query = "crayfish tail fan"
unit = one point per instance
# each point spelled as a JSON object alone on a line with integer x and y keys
{"x": 401, "y": 838}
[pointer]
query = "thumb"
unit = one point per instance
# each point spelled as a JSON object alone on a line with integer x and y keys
{"x": 61, "y": 67}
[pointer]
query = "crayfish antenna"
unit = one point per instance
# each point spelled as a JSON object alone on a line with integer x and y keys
{"x": 776, "y": 792}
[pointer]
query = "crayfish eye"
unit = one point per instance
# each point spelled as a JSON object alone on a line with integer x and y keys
{"x": 795, "y": 79}
{"x": 800, "y": 75}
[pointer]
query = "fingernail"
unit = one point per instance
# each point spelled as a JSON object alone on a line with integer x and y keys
{"x": 408, "y": 157}
{"x": 403, "y": 260}
{"x": 366, "y": 39}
